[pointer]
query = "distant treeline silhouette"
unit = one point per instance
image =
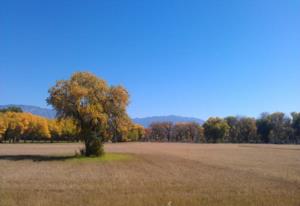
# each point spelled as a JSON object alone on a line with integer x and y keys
{"x": 276, "y": 128}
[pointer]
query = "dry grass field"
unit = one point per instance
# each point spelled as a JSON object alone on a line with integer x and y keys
{"x": 150, "y": 174}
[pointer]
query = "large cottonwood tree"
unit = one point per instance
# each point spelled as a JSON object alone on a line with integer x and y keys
{"x": 96, "y": 107}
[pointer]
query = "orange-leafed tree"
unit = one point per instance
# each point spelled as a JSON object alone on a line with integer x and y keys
{"x": 92, "y": 104}
{"x": 2, "y": 127}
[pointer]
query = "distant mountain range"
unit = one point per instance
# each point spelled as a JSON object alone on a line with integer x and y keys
{"x": 49, "y": 113}
{"x": 170, "y": 118}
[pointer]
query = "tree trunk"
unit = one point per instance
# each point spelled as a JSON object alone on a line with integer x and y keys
{"x": 93, "y": 144}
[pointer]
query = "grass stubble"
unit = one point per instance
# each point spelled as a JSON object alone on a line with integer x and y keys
{"x": 155, "y": 174}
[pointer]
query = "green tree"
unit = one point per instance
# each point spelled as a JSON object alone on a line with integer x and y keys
{"x": 88, "y": 100}
{"x": 275, "y": 128}
{"x": 234, "y": 132}
{"x": 296, "y": 127}
{"x": 263, "y": 127}
{"x": 247, "y": 130}
{"x": 11, "y": 109}
{"x": 281, "y": 131}
{"x": 216, "y": 130}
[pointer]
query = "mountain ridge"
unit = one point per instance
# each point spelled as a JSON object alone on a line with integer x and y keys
{"x": 144, "y": 121}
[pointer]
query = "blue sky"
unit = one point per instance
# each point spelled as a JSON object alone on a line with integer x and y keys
{"x": 193, "y": 58}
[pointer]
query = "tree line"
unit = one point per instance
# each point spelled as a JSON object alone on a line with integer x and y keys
{"x": 16, "y": 126}
{"x": 275, "y": 128}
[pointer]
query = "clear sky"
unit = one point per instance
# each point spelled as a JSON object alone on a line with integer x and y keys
{"x": 193, "y": 58}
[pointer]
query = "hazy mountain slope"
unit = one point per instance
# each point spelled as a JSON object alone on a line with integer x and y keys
{"x": 171, "y": 118}
{"x": 49, "y": 113}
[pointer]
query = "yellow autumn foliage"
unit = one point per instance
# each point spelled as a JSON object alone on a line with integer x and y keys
{"x": 26, "y": 126}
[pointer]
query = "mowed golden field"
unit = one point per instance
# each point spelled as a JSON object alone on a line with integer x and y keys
{"x": 157, "y": 174}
